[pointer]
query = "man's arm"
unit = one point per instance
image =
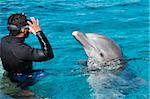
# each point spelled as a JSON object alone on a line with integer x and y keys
{"x": 46, "y": 47}
{"x": 27, "y": 53}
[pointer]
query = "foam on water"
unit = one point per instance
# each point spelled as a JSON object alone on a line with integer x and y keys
{"x": 106, "y": 85}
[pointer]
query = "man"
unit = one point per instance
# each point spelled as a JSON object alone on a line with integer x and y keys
{"x": 16, "y": 55}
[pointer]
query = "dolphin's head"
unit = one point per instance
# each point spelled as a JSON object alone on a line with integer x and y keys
{"x": 98, "y": 46}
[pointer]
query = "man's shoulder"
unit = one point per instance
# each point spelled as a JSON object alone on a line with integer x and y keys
{"x": 21, "y": 46}
{"x": 4, "y": 38}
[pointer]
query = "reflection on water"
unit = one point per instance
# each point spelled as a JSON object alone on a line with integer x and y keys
{"x": 11, "y": 90}
{"x": 110, "y": 86}
{"x": 8, "y": 87}
{"x": 104, "y": 84}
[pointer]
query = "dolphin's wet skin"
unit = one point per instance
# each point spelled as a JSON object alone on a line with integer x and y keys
{"x": 125, "y": 22}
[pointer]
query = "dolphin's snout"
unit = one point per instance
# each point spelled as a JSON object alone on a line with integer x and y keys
{"x": 75, "y": 33}
{"x": 82, "y": 39}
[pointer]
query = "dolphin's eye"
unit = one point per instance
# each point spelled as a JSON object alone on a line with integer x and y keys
{"x": 101, "y": 54}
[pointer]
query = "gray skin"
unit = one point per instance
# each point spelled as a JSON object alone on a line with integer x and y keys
{"x": 98, "y": 46}
{"x": 105, "y": 82}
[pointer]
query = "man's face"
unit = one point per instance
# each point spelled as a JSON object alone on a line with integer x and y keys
{"x": 26, "y": 32}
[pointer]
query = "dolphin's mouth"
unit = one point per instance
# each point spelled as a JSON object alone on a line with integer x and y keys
{"x": 85, "y": 42}
{"x": 82, "y": 39}
{"x": 75, "y": 35}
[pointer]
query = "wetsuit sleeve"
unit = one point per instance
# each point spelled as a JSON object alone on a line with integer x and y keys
{"x": 25, "y": 52}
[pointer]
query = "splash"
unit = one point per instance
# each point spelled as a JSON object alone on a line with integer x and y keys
{"x": 112, "y": 85}
{"x": 106, "y": 85}
{"x": 1, "y": 69}
{"x": 110, "y": 65}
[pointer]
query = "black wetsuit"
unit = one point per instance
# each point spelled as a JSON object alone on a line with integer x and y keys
{"x": 17, "y": 56}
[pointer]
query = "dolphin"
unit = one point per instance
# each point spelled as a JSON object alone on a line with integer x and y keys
{"x": 104, "y": 52}
{"x": 101, "y": 50}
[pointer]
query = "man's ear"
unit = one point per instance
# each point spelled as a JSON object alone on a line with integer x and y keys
{"x": 22, "y": 30}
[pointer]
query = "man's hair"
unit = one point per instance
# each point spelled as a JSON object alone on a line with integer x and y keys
{"x": 18, "y": 20}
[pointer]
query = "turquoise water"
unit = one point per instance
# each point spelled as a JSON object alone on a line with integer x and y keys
{"x": 125, "y": 21}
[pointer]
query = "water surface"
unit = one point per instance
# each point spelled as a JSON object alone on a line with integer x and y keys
{"x": 125, "y": 21}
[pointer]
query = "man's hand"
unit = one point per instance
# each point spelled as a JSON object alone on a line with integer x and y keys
{"x": 34, "y": 26}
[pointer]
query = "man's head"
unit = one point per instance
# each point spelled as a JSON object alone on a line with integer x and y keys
{"x": 17, "y": 24}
